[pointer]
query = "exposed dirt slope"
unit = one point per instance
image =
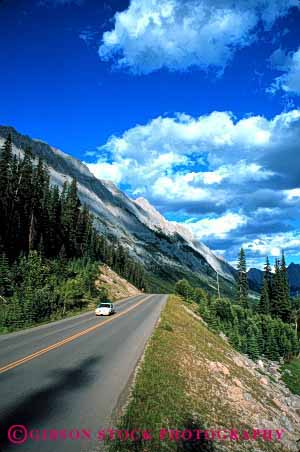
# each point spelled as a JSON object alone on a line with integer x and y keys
{"x": 116, "y": 286}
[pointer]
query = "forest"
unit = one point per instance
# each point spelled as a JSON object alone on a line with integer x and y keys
{"x": 267, "y": 327}
{"x": 50, "y": 250}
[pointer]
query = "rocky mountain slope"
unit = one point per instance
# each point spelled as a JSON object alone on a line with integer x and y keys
{"x": 167, "y": 250}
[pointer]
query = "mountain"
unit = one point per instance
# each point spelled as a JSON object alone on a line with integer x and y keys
{"x": 294, "y": 277}
{"x": 255, "y": 278}
{"x": 168, "y": 250}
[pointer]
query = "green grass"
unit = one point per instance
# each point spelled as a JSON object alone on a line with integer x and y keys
{"x": 291, "y": 375}
{"x": 158, "y": 397}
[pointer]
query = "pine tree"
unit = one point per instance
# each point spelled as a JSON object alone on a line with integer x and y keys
{"x": 285, "y": 302}
{"x": 184, "y": 289}
{"x": 37, "y": 217}
{"x": 235, "y": 338}
{"x": 6, "y": 288}
{"x": 277, "y": 289}
{"x": 271, "y": 344}
{"x": 260, "y": 337}
{"x": 54, "y": 235}
{"x": 70, "y": 214}
{"x": 242, "y": 286}
{"x": 212, "y": 318}
{"x": 200, "y": 295}
{"x": 281, "y": 305}
{"x": 252, "y": 346}
{"x": 268, "y": 276}
{"x": 263, "y": 306}
{"x": 6, "y": 159}
{"x": 24, "y": 195}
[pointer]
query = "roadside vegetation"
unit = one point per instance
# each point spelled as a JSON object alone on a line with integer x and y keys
{"x": 44, "y": 290}
{"x": 268, "y": 328}
{"x": 250, "y": 332}
{"x": 190, "y": 378}
{"x": 291, "y": 375}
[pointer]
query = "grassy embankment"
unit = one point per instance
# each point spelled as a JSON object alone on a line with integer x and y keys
{"x": 291, "y": 375}
{"x": 190, "y": 378}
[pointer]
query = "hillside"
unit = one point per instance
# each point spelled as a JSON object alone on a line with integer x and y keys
{"x": 169, "y": 252}
{"x": 116, "y": 287}
{"x": 192, "y": 379}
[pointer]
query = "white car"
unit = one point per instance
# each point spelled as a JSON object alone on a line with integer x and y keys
{"x": 105, "y": 309}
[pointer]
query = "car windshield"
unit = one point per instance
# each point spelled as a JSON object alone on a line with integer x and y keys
{"x": 104, "y": 305}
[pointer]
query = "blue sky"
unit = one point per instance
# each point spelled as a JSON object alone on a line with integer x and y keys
{"x": 192, "y": 104}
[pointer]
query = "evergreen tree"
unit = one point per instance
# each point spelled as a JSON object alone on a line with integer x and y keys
{"x": 54, "y": 235}
{"x": 277, "y": 289}
{"x": 272, "y": 351}
{"x": 235, "y": 338}
{"x": 281, "y": 305}
{"x": 184, "y": 289}
{"x": 264, "y": 305}
{"x": 24, "y": 198}
{"x": 264, "y": 302}
{"x": 285, "y": 302}
{"x": 268, "y": 276}
{"x": 200, "y": 295}
{"x": 5, "y": 278}
{"x": 70, "y": 214}
{"x": 6, "y": 159}
{"x": 252, "y": 346}
{"x": 242, "y": 286}
{"x": 212, "y": 319}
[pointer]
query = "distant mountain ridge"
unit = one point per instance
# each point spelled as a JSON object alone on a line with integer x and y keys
{"x": 168, "y": 250}
{"x": 255, "y": 277}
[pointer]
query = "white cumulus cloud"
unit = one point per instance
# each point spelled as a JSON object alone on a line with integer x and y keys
{"x": 273, "y": 244}
{"x": 163, "y": 158}
{"x": 216, "y": 227}
{"x": 289, "y": 64}
{"x": 178, "y": 34}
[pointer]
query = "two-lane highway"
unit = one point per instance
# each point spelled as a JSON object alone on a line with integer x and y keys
{"x": 65, "y": 377}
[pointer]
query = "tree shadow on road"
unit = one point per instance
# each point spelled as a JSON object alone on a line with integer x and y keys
{"x": 34, "y": 409}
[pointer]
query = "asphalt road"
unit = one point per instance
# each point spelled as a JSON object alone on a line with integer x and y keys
{"x": 66, "y": 379}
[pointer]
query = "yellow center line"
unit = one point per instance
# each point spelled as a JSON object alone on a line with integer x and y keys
{"x": 24, "y": 360}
